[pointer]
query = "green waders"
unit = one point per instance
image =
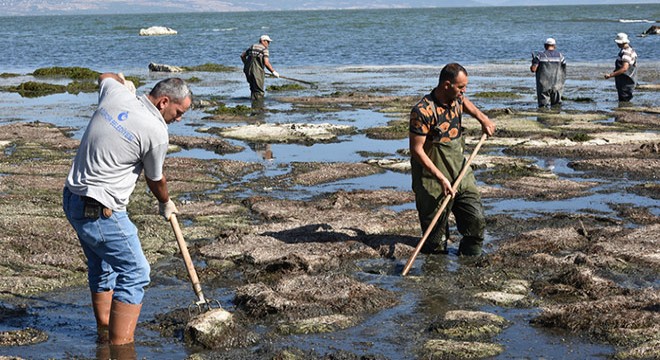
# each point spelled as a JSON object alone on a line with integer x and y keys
{"x": 466, "y": 205}
{"x": 255, "y": 76}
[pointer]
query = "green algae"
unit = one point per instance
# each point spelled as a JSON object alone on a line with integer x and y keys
{"x": 33, "y": 89}
{"x": 223, "y": 109}
{"x": 497, "y": 94}
{"x": 395, "y": 129}
{"x": 372, "y": 154}
{"x": 137, "y": 81}
{"x": 581, "y": 99}
{"x": 322, "y": 324}
{"x": 470, "y": 332}
{"x": 209, "y": 67}
{"x": 448, "y": 349}
{"x": 74, "y": 72}
{"x": 77, "y": 87}
{"x": 285, "y": 87}
{"x": 579, "y": 137}
{"x": 512, "y": 171}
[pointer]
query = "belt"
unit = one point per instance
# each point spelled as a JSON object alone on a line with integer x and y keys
{"x": 94, "y": 209}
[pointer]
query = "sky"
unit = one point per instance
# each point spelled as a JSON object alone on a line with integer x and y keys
{"x": 61, "y": 7}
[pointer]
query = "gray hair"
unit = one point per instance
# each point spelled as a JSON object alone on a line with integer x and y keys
{"x": 174, "y": 88}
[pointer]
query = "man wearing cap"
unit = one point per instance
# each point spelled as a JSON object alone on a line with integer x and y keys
{"x": 550, "y": 68}
{"x": 625, "y": 68}
{"x": 255, "y": 59}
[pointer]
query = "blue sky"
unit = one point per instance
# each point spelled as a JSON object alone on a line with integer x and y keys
{"x": 58, "y": 7}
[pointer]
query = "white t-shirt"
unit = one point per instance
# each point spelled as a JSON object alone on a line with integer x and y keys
{"x": 125, "y": 135}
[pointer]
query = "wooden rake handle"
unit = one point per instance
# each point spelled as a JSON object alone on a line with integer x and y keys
{"x": 442, "y": 207}
{"x": 197, "y": 287}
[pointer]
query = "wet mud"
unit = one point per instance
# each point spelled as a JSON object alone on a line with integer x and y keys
{"x": 322, "y": 266}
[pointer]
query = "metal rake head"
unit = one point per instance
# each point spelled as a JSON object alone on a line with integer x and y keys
{"x": 202, "y": 306}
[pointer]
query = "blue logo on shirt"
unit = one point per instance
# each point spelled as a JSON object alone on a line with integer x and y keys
{"x": 122, "y": 116}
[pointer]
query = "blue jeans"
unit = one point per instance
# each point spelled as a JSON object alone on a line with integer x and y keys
{"x": 115, "y": 260}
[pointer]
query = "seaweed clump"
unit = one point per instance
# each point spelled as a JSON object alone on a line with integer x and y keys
{"x": 73, "y": 72}
{"x": 209, "y": 67}
{"x": 31, "y": 89}
{"x": 286, "y": 87}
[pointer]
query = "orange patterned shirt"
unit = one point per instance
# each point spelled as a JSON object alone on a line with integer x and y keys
{"x": 443, "y": 124}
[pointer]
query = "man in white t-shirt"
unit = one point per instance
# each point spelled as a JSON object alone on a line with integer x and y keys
{"x": 126, "y": 135}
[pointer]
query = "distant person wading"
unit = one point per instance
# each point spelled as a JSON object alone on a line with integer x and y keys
{"x": 255, "y": 61}
{"x": 550, "y": 68}
{"x": 625, "y": 68}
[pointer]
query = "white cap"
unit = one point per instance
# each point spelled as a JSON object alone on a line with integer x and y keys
{"x": 265, "y": 38}
{"x": 550, "y": 41}
{"x": 621, "y": 38}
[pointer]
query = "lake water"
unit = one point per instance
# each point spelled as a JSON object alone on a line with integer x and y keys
{"x": 320, "y": 39}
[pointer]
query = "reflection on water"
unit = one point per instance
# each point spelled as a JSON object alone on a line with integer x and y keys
{"x": 263, "y": 150}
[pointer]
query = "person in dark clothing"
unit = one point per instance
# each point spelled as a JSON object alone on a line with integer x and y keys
{"x": 550, "y": 68}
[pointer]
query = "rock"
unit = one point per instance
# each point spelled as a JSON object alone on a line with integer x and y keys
{"x": 653, "y": 30}
{"x": 449, "y": 349}
{"x": 321, "y": 324}
{"x": 474, "y": 316}
{"x": 157, "y": 30}
{"x": 164, "y": 68}
{"x": 500, "y": 298}
{"x": 27, "y": 336}
{"x": 307, "y": 296}
{"x": 210, "y": 329}
{"x": 517, "y": 286}
{"x": 400, "y": 165}
{"x": 469, "y": 325}
{"x": 649, "y": 350}
{"x": 283, "y": 133}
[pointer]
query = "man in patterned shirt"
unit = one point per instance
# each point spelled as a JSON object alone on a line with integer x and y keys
{"x": 255, "y": 59}
{"x": 436, "y": 149}
{"x": 625, "y": 68}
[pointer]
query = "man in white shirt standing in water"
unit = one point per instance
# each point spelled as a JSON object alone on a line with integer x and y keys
{"x": 126, "y": 135}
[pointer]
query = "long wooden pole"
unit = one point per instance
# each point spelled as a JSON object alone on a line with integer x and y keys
{"x": 443, "y": 205}
{"x": 197, "y": 287}
{"x": 313, "y": 84}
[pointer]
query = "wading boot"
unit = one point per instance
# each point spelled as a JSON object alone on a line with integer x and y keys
{"x": 436, "y": 243}
{"x": 101, "y": 302}
{"x": 470, "y": 246}
{"x": 123, "y": 320}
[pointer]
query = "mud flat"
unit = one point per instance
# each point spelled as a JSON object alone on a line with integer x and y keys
{"x": 325, "y": 265}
